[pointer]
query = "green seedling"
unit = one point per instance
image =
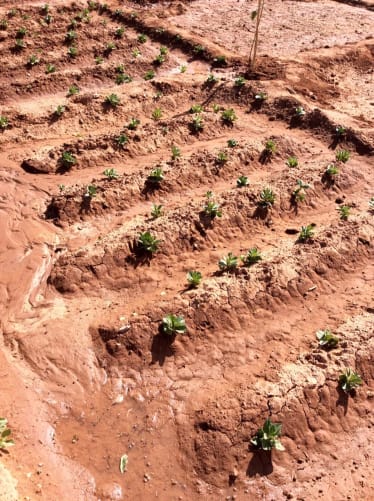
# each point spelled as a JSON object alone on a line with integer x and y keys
{"x": 4, "y": 122}
{"x": 156, "y": 211}
{"x": 33, "y": 60}
{"x": 299, "y": 193}
{"x": 142, "y": 38}
{"x": 292, "y": 162}
{"x": 148, "y": 243}
{"x": 123, "y": 78}
{"x": 211, "y": 208}
{"x": 222, "y": 157}
{"x": 112, "y": 100}
{"x": 73, "y": 90}
{"x": 228, "y": 116}
{"x": 261, "y": 96}
{"x": 239, "y": 82}
{"x": 253, "y": 256}
{"x": 211, "y": 80}
{"x": 135, "y": 54}
{"x": 340, "y": 131}
{"x": 242, "y": 181}
{"x": 110, "y": 47}
{"x": 228, "y": 263}
{"x": 72, "y": 52}
{"x": 183, "y": 68}
{"x": 342, "y": 156}
{"x": 198, "y": 49}
{"x": 68, "y": 159}
{"x": 5, "y": 440}
{"x": 231, "y": 143}
{"x": 194, "y": 278}
{"x": 175, "y": 152}
{"x": 331, "y": 170}
{"x": 220, "y": 61}
{"x": 344, "y": 212}
{"x": 48, "y": 19}
{"x": 91, "y": 191}
{"x": 51, "y": 68}
{"x": 270, "y": 147}
{"x": 60, "y": 110}
{"x": 119, "y": 32}
{"x": 133, "y": 124}
{"x": 326, "y": 339}
{"x": 197, "y": 124}
{"x": 300, "y": 112}
{"x": 71, "y": 35}
{"x": 150, "y": 74}
{"x": 173, "y": 325}
{"x": 156, "y": 176}
{"x": 21, "y": 32}
{"x": 267, "y": 437}
{"x": 19, "y": 44}
{"x": 111, "y": 174}
{"x": 306, "y": 233}
{"x": 267, "y": 198}
{"x": 3, "y": 24}
{"x": 157, "y": 114}
{"x": 349, "y": 380}
{"x": 99, "y": 60}
{"x": 216, "y": 108}
{"x": 196, "y": 108}
{"x": 122, "y": 140}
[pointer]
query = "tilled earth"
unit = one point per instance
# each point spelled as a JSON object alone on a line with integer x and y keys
{"x": 87, "y": 374}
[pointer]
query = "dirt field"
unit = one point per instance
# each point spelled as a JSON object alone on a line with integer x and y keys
{"x": 87, "y": 374}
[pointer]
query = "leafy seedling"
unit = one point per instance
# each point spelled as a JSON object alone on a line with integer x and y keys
{"x": 73, "y": 90}
{"x": 331, "y": 171}
{"x": 228, "y": 116}
{"x": 231, "y": 143}
{"x": 156, "y": 176}
{"x": 33, "y": 60}
{"x": 133, "y": 124}
{"x": 344, "y": 212}
{"x": 261, "y": 97}
{"x": 197, "y": 124}
{"x": 340, "y": 131}
{"x": 220, "y": 61}
{"x": 19, "y": 44}
{"x": 222, "y": 157}
{"x": 21, "y": 32}
{"x": 349, "y": 380}
{"x": 194, "y": 278}
{"x": 68, "y": 159}
{"x": 306, "y": 233}
{"x": 149, "y": 75}
{"x": 270, "y": 147}
{"x": 198, "y": 50}
{"x": 211, "y": 80}
{"x": 111, "y": 174}
{"x": 253, "y": 256}
{"x": 267, "y": 198}
{"x": 91, "y": 191}
{"x": 119, "y": 32}
{"x": 175, "y": 152}
{"x": 228, "y": 263}
{"x": 5, "y": 440}
{"x": 71, "y": 36}
{"x": 239, "y": 82}
{"x": 242, "y": 181}
{"x": 196, "y": 108}
{"x": 183, "y": 68}
{"x": 300, "y": 112}
{"x": 72, "y": 52}
{"x": 299, "y": 193}
{"x": 121, "y": 140}
{"x": 157, "y": 114}
{"x": 173, "y": 325}
{"x": 326, "y": 339}
{"x": 4, "y": 122}
{"x": 51, "y": 68}
{"x": 112, "y": 100}
{"x": 148, "y": 243}
{"x": 99, "y": 59}
{"x": 267, "y": 437}
{"x": 156, "y": 211}
{"x": 292, "y": 162}
{"x": 342, "y": 156}
{"x": 142, "y": 38}
{"x": 211, "y": 208}
{"x": 60, "y": 110}
{"x": 123, "y": 78}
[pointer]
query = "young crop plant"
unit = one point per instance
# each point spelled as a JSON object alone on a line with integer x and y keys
{"x": 198, "y": 50}
{"x": 119, "y": 32}
{"x": 253, "y": 256}
{"x": 292, "y": 162}
{"x": 19, "y": 44}
{"x": 156, "y": 211}
{"x": 3, "y": 24}
{"x": 220, "y": 61}
{"x": 306, "y": 233}
{"x": 71, "y": 35}
{"x": 111, "y": 174}
{"x": 222, "y": 157}
{"x": 21, "y": 32}
{"x": 91, "y": 191}
{"x": 197, "y": 124}
{"x": 149, "y": 75}
{"x": 196, "y": 108}
{"x": 242, "y": 181}
{"x": 270, "y": 147}
{"x": 211, "y": 80}
{"x": 299, "y": 193}
{"x": 135, "y": 54}
{"x": 261, "y": 96}
{"x": 217, "y": 108}
{"x": 110, "y": 47}
{"x": 121, "y": 140}
{"x": 211, "y": 208}
{"x": 267, "y": 198}
{"x": 231, "y": 143}
{"x": 371, "y": 202}
{"x": 73, "y": 90}
{"x": 5, "y": 440}
{"x": 4, "y": 122}
{"x": 340, "y": 131}
{"x": 175, "y": 152}
{"x": 344, "y": 212}
{"x": 157, "y": 114}
{"x": 123, "y": 78}
{"x": 142, "y": 38}
{"x": 33, "y": 60}
{"x": 148, "y": 243}
{"x": 194, "y": 278}
{"x": 51, "y": 68}
{"x": 156, "y": 176}
{"x": 331, "y": 170}
{"x": 47, "y": 19}
{"x": 99, "y": 60}
{"x": 72, "y": 52}
{"x": 342, "y": 156}
{"x": 228, "y": 116}
{"x": 267, "y": 437}
{"x": 349, "y": 380}
{"x": 299, "y": 111}
{"x": 68, "y": 159}
{"x": 173, "y": 325}
{"x": 239, "y": 81}
{"x": 133, "y": 124}
{"x": 183, "y": 68}
{"x": 326, "y": 339}
{"x": 60, "y": 110}
{"x": 228, "y": 263}
{"x": 112, "y": 100}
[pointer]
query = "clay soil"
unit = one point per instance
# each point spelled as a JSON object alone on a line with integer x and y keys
{"x": 86, "y": 373}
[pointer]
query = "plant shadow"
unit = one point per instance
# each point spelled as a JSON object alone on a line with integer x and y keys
{"x": 260, "y": 464}
{"x": 162, "y": 347}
